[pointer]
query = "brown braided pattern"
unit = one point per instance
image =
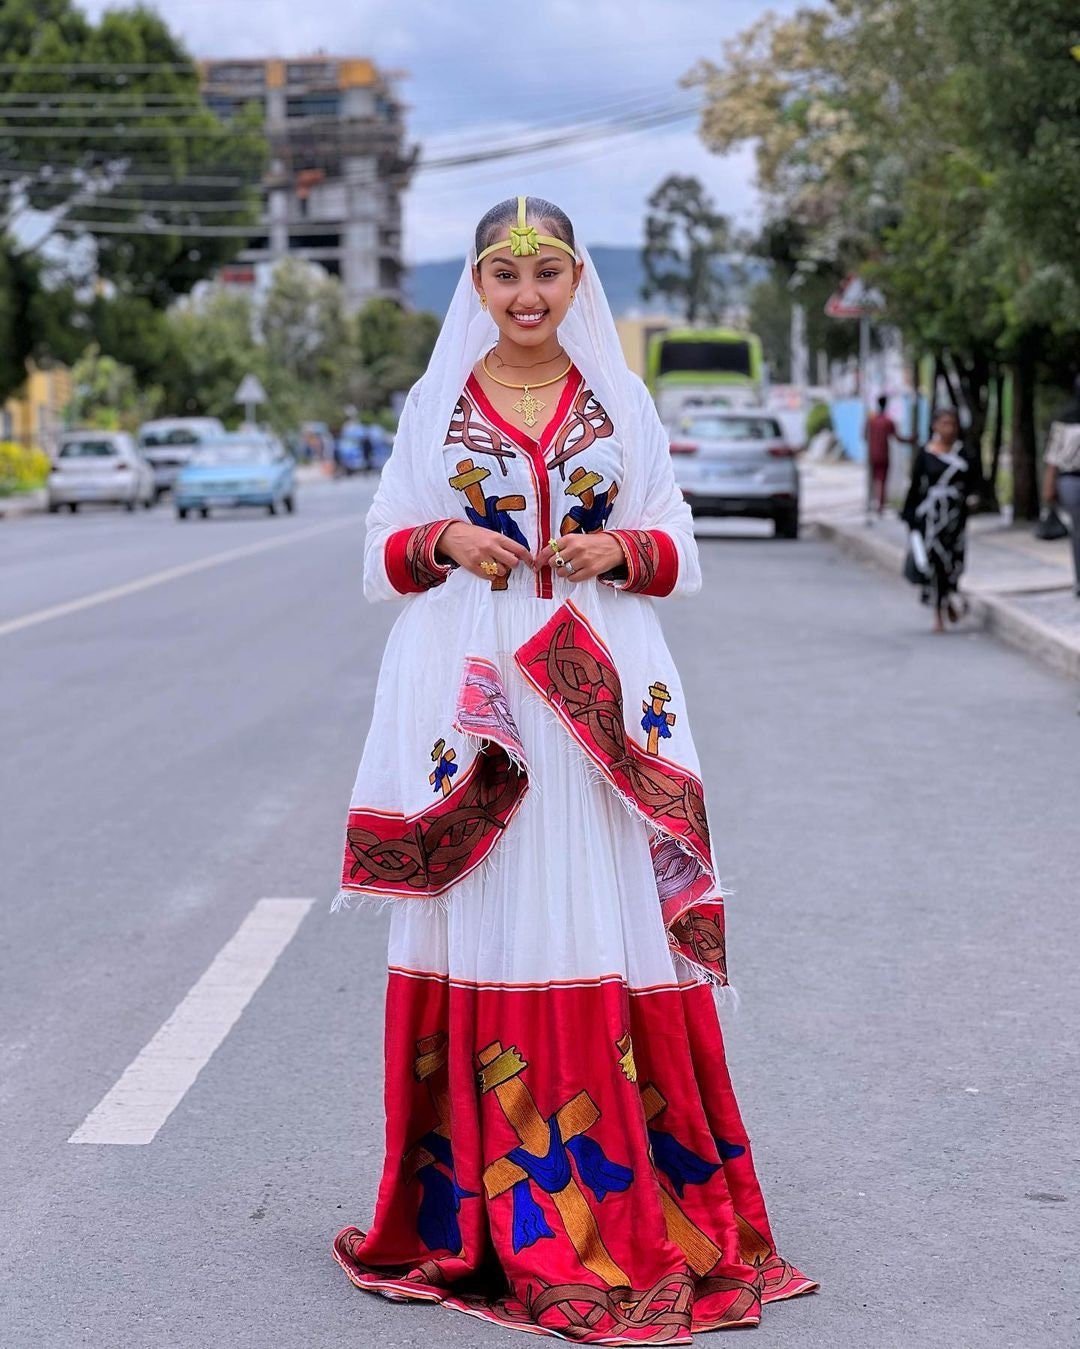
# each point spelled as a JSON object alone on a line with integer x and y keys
{"x": 426, "y": 853}
{"x": 699, "y": 934}
{"x": 586, "y": 423}
{"x": 346, "y": 1250}
{"x": 571, "y": 668}
{"x": 642, "y": 557}
{"x": 420, "y": 559}
{"x": 469, "y": 429}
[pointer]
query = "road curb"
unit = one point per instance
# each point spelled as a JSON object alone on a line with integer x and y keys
{"x": 993, "y": 613}
{"x": 26, "y": 503}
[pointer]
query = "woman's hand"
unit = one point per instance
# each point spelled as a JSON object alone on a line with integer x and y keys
{"x": 590, "y": 555}
{"x": 469, "y": 545}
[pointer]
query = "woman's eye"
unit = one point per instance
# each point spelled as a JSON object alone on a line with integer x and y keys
{"x": 504, "y": 276}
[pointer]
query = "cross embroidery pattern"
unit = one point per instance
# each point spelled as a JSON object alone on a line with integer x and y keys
{"x": 430, "y": 1161}
{"x": 543, "y": 1158}
{"x": 445, "y": 767}
{"x": 656, "y": 721}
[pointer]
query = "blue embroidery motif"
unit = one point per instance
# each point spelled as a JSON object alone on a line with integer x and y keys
{"x": 437, "y": 1220}
{"x": 552, "y": 1174}
{"x": 681, "y": 1166}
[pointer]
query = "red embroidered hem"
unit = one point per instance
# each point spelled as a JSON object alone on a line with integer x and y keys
{"x": 569, "y": 1161}
{"x": 409, "y": 557}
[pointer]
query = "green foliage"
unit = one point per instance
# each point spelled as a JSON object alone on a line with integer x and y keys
{"x": 933, "y": 146}
{"x": 215, "y": 347}
{"x": 686, "y": 240}
{"x": 312, "y": 358}
{"x": 22, "y": 469}
{"x": 107, "y": 395}
{"x": 132, "y": 164}
{"x": 818, "y": 419}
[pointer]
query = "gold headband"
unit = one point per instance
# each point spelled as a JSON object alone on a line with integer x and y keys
{"x": 523, "y": 240}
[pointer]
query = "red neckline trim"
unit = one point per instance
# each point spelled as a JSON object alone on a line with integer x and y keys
{"x": 521, "y": 438}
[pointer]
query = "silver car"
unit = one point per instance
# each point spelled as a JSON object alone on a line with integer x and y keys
{"x": 737, "y": 462}
{"x": 99, "y": 466}
{"x": 168, "y": 444}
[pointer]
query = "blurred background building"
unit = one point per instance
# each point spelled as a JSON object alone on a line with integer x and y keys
{"x": 338, "y": 165}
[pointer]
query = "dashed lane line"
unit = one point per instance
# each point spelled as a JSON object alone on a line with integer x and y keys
{"x": 158, "y": 1078}
{"x": 157, "y": 578}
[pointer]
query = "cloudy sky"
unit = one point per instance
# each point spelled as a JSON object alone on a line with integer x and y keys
{"x": 479, "y": 73}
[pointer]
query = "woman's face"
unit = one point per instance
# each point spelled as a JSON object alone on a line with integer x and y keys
{"x": 947, "y": 428}
{"x": 527, "y": 297}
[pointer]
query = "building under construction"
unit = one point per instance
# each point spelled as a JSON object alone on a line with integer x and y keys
{"x": 338, "y": 166}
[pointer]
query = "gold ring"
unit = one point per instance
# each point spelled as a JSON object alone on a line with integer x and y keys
{"x": 489, "y": 568}
{"x": 561, "y": 561}
{"x": 553, "y": 544}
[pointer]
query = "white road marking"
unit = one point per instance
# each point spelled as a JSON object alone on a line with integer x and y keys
{"x": 156, "y": 1080}
{"x": 157, "y": 578}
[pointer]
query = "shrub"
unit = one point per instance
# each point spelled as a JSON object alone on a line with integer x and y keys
{"x": 819, "y": 418}
{"x": 21, "y": 469}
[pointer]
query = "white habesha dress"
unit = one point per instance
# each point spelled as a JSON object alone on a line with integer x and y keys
{"x": 564, "y": 1153}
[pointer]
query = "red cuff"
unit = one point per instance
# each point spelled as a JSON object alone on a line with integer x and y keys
{"x": 410, "y": 558}
{"x": 652, "y": 561}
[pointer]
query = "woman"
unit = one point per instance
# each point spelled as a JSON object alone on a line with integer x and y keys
{"x": 936, "y": 508}
{"x": 1061, "y": 478}
{"x": 563, "y": 1150}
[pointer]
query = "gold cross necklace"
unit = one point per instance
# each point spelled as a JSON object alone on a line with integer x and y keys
{"x": 527, "y": 406}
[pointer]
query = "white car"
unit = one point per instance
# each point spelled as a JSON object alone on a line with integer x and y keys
{"x": 99, "y": 466}
{"x": 168, "y": 444}
{"x": 737, "y": 461}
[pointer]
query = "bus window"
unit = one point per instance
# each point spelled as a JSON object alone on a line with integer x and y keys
{"x": 711, "y": 358}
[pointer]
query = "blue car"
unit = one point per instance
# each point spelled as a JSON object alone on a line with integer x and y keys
{"x": 242, "y": 469}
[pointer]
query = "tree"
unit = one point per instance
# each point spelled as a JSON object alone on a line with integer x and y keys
{"x": 686, "y": 246}
{"x": 933, "y": 146}
{"x": 392, "y": 346}
{"x": 106, "y": 393}
{"x": 214, "y": 345}
{"x": 37, "y": 321}
{"x": 105, "y": 142}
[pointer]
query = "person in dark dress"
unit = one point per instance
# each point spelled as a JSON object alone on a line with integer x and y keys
{"x": 936, "y": 508}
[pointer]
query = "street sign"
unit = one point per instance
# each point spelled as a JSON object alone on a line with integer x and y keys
{"x": 854, "y": 300}
{"x": 250, "y": 391}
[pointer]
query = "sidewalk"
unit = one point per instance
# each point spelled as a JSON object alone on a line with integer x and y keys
{"x": 1018, "y": 587}
{"x": 23, "y": 503}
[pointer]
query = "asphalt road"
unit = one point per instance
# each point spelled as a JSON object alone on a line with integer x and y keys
{"x": 893, "y": 811}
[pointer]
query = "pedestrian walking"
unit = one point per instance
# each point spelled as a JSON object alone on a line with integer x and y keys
{"x": 564, "y": 1153}
{"x": 881, "y": 430}
{"x": 936, "y": 510}
{"x": 1061, "y": 472}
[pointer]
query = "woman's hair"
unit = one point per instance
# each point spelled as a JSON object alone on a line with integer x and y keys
{"x": 945, "y": 411}
{"x": 538, "y": 211}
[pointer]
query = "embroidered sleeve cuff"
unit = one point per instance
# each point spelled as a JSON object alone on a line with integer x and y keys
{"x": 652, "y": 562}
{"x": 410, "y": 558}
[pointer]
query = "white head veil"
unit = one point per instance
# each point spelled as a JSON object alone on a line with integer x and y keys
{"x": 587, "y": 333}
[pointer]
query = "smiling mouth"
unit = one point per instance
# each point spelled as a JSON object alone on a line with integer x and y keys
{"x": 529, "y": 318}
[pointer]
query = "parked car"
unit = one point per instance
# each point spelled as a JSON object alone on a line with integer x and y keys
{"x": 247, "y": 468}
{"x": 362, "y": 445}
{"x": 98, "y": 466}
{"x": 168, "y": 443}
{"x": 737, "y": 462}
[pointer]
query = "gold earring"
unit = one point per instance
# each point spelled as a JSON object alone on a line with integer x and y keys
{"x": 483, "y": 300}
{"x": 572, "y": 293}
